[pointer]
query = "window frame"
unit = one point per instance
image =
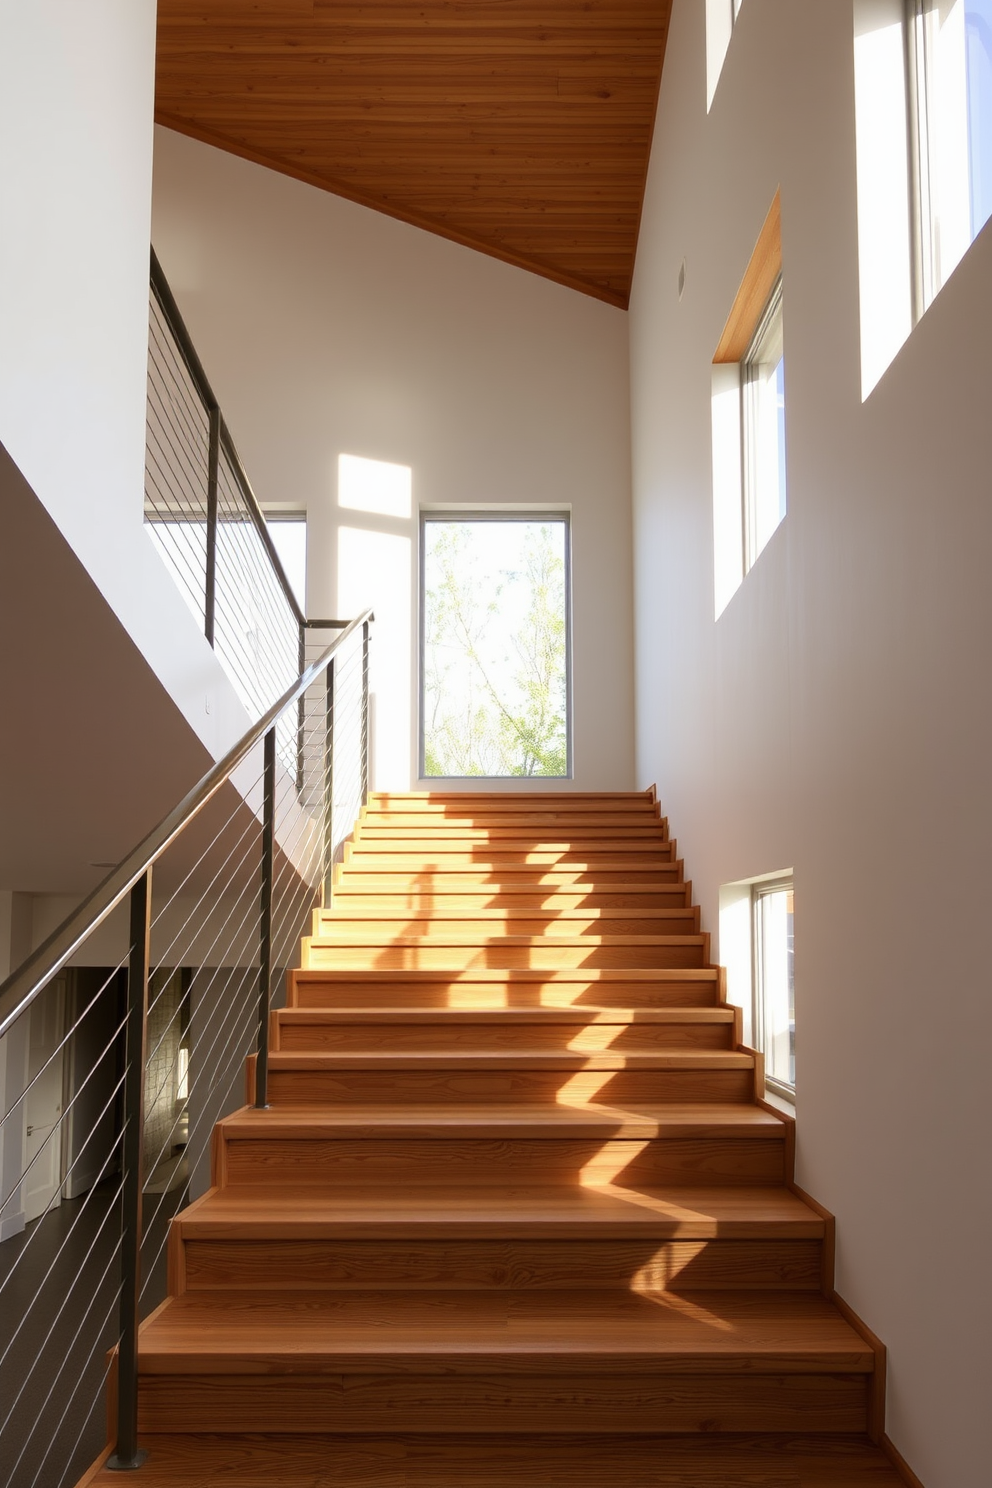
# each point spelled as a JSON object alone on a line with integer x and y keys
{"x": 927, "y": 274}
{"x": 760, "y": 890}
{"x": 534, "y": 515}
{"x": 754, "y": 475}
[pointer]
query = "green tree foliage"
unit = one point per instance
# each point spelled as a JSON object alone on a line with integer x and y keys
{"x": 495, "y": 655}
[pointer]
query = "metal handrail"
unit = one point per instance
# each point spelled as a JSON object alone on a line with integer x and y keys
{"x": 22, "y": 987}
{"x": 177, "y": 325}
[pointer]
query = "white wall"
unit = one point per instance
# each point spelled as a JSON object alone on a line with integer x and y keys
{"x": 76, "y": 102}
{"x": 838, "y": 714}
{"x": 327, "y": 328}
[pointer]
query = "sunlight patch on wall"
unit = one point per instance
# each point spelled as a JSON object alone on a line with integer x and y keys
{"x": 374, "y": 568}
{"x": 375, "y": 486}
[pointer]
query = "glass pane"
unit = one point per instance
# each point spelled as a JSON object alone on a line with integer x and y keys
{"x": 495, "y": 651}
{"x": 956, "y": 119}
{"x": 765, "y": 372}
{"x": 289, "y": 538}
{"x": 777, "y": 984}
{"x": 978, "y": 43}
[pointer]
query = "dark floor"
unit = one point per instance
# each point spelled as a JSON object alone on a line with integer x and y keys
{"x": 59, "y": 1285}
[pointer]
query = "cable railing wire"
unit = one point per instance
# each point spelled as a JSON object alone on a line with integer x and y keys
{"x": 151, "y": 1047}
{"x": 207, "y": 919}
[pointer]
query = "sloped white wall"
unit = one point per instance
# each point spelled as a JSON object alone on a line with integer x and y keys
{"x": 76, "y": 104}
{"x": 328, "y": 329}
{"x": 838, "y": 715}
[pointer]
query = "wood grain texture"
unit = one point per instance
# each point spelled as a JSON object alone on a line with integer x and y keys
{"x": 520, "y": 129}
{"x": 755, "y": 290}
{"x": 421, "y": 1460}
{"x": 500, "y": 1198}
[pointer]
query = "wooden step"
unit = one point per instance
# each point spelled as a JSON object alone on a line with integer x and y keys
{"x": 461, "y": 1029}
{"x": 373, "y": 876}
{"x": 485, "y": 987}
{"x": 532, "y": 831}
{"x": 640, "y": 819}
{"x": 486, "y": 1145}
{"x": 528, "y": 1076}
{"x": 536, "y": 952}
{"x": 667, "y": 1240}
{"x": 436, "y": 924}
{"x": 456, "y": 1359}
{"x": 440, "y": 852}
{"x": 519, "y": 801}
{"x": 514, "y": 1460}
{"x": 356, "y": 894}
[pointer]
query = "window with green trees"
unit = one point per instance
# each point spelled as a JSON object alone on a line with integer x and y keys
{"x": 494, "y": 645}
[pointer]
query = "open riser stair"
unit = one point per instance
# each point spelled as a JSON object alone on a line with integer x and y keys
{"x": 516, "y": 1210}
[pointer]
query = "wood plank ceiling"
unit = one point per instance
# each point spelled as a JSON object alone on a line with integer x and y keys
{"x": 518, "y": 127}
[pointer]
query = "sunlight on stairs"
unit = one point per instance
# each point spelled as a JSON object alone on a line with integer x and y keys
{"x": 515, "y": 1212}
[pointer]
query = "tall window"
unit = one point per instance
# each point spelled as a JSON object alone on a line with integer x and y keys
{"x": 494, "y": 645}
{"x": 763, "y": 422}
{"x": 774, "y": 1011}
{"x": 950, "y": 54}
{"x": 748, "y": 413}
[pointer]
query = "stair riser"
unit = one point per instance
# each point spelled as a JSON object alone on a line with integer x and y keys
{"x": 660, "y": 1265}
{"x": 433, "y": 857}
{"x": 374, "y": 877}
{"x": 489, "y": 1038}
{"x": 338, "y": 991}
{"x": 397, "y": 1087}
{"x": 515, "y": 816}
{"x": 485, "y": 1162}
{"x": 640, "y": 1402}
{"x": 348, "y": 901}
{"x": 500, "y": 957}
{"x": 439, "y": 927}
{"x": 520, "y": 832}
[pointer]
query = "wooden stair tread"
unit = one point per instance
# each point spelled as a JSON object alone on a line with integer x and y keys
{"x": 350, "y": 914}
{"x": 488, "y": 942}
{"x": 479, "y": 1460}
{"x": 525, "y": 1329}
{"x": 512, "y": 975}
{"x": 586, "y": 1016}
{"x": 522, "y": 1212}
{"x": 549, "y": 1121}
{"x": 509, "y": 1059}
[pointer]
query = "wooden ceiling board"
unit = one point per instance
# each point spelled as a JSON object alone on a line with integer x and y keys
{"x": 518, "y": 127}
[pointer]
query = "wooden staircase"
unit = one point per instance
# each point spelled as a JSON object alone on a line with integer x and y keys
{"x": 516, "y": 1212}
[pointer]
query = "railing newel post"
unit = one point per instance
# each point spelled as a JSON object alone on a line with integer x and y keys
{"x": 365, "y": 713}
{"x": 128, "y": 1455}
{"x": 213, "y": 477}
{"x": 328, "y": 784}
{"x": 265, "y": 934}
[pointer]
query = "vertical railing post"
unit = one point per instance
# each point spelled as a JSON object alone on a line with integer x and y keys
{"x": 301, "y": 714}
{"x": 328, "y": 785}
{"x": 128, "y": 1455}
{"x": 213, "y": 469}
{"x": 365, "y": 713}
{"x": 265, "y": 947}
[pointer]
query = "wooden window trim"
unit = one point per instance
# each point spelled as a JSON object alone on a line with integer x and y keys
{"x": 759, "y": 280}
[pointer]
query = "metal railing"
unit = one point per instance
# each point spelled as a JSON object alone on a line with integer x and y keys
{"x": 140, "y": 1011}
{"x": 206, "y": 522}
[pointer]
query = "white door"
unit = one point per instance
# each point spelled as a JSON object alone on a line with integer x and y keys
{"x": 43, "y": 1102}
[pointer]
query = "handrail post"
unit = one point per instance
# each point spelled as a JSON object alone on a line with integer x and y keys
{"x": 328, "y": 785}
{"x": 213, "y": 474}
{"x": 365, "y": 713}
{"x": 301, "y": 711}
{"x": 265, "y": 946}
{"x": 128, "y": 1455}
